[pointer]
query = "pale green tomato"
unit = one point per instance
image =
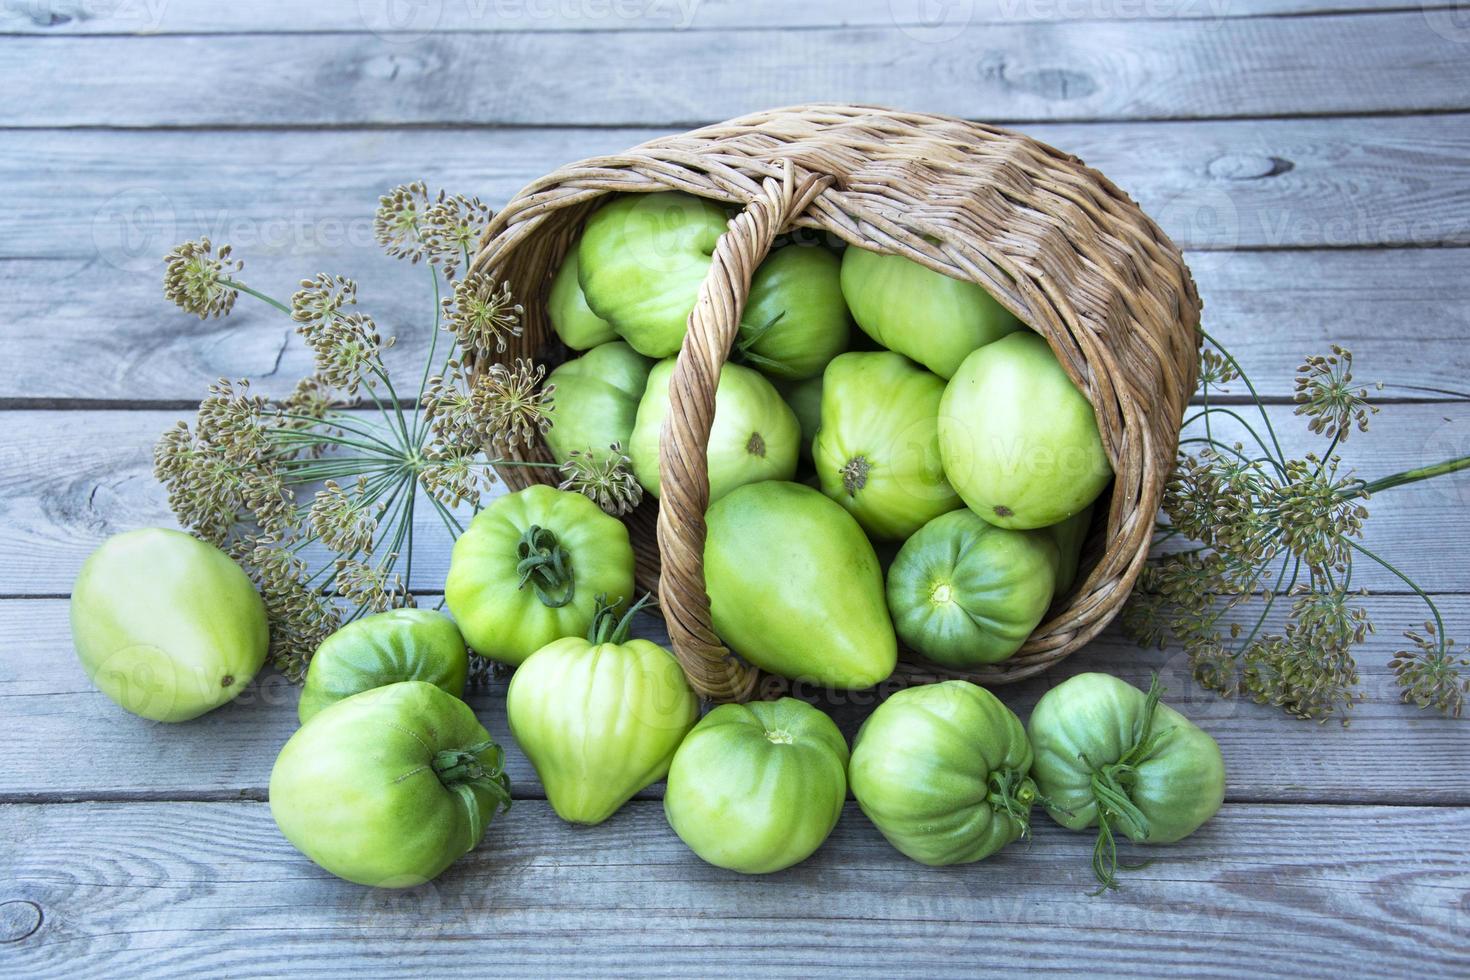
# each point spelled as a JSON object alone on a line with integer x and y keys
{"x": 758, "y": 787}
{"x": 386, "y": 648}
{"x": 1106, "y": 750}
{"x": 805, "y": 400}
{"x": 389, "y": 787}
{"x": 941, "y": 770}
{"x": 964, "y": 592}
{"x": 642, "y": 259}
{"x": 572, "y": 319}
{"x": 1018, "y": 440}
{"x": 599, "y": 719}
{"x": 877, "y": 451}
{"x": 921, "y": 313}
{"x": 795, "y": 320}
{"x": 166, "y": 625}
{"x": 754, "y": 437}
{"x": 596, "y": 400}
{"x": 795, "y": 587}
{"x": 529, "y": 569}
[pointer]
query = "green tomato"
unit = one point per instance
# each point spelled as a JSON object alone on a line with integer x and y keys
{"x": 166, "y": 625}
{"x": 596, "y": 400}
{"x": 600, "y": 718}
{"x": 389, "y": 787}
{"x": 1111, "y": 757}
{"x": 529, "y": 569}
{"x": 755, "y": 435}
{"x": 795, "y": 320}
{"x": 572, "y": 319}
{"x": 805, "y": 400}
{"x": 795, "y": 588}
{"x": 941, "y": 770}
{"x": 964, "y": 592}
{"x": 1070, "y": 535}
{"x": 393, "y": 646}
{"x": 642, "y": 259}
{"x": 877, "y": 452}
{"x": 921, "y": 313}
{"x": 758, "y": 787}
{"x": 1018, "y": 440}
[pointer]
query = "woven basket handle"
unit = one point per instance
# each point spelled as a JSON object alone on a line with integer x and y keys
{"x": 712, "y": 669}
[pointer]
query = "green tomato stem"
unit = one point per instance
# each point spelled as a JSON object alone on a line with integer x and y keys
{"x": 545, "y": 565}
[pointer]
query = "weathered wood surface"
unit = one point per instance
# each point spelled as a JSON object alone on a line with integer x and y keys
{"x": 70, "y": 479}
{"x": 176, "y": 888}
{"x": 1375, "y": 62}
{"x": 1391, "y": 752}
{"x": 395, "y": 21}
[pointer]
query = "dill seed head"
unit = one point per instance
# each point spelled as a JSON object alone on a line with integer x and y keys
{"x": 454, "y": 476}
{"x": 347, "y": 350}
{"x": 1430, "y": 674}
{"x": 399, "y": 218}
{"x": 194, "y": 278}
{"x": 605, "y": 478}
{"x": 205, "y": 489}
{"x": 322, "y": 300}
{"x": 510, "y": 403}
{"x": 374, "y": 587}
{"x": 482, "y": 314}
{"x": 1325, "y": 393}
{"x": 344, "y": 521}
{"x": 300, "y": 617}
{"x": 451, "y": 230}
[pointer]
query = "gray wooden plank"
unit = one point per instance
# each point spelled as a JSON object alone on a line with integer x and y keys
{"x": 1391, "y": 753}
{"x": 66, "y": 17}
{"x": 1403, "y": 312}
{"x": 125, "y": 198}
{"x": 69, "y": 479}
{"x": 176, "y": 889}
{"x": 1390, "y": 62}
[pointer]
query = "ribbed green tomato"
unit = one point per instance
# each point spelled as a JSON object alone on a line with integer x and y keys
{"x": 166, "y": 625}
{"x": 1018, "y": 440}
{"x": 572, "y": 319}
{"x": 393, "y": 646}
{"x": 529, "y": 569}
{"x": 921, "y": 313}
{"x": 805, "y": 401}
{"x": 941, "y": 770}
{"x": 1070, "y": 535}
{"x": 600, "y": 718}
{"x": 964, "y": 593}
{"x": 596, "y": 400}
{"x": 641, "y": 261}
{"x": 758, "y": 787}
{"x": 389, "y": 787}
{"x": 1112, "y": 757}
{"x": 877, "y": 451}
{"x": 795, "y": 320}
{"x": 754, "y": 437}
{"x": 795, "y": 587}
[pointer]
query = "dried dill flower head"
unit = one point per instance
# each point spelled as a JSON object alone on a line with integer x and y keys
{"x": 499, "y": 408}
{"x": 451, "y": 230}
{"x": 1430, "y": 674}
{"x": 199, "y": 281}
{"x": 396, "y": 225}
{"x": 604, "y": 478}
{"x": 482, "y": 314}
{"x": 1325, "y": 393}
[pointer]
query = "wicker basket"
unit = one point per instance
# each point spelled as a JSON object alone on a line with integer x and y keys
{"x": 1051, "y": 239}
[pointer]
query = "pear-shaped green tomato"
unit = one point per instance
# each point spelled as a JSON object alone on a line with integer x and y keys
{"x": 941, "y": 770}
{"x": 166, "y": 625}
{"x": 572, "y": 319}
{"x": 529, "y": 569}
{"x": 386, "y": 648}
{"x": 795, "y": 320}
{"x": 599, "y": 718}
{"x": 758, "y": 787}
{"x": 596, "y": 400}
{"x": 805, "y": 400}
{"x": 641, "y": 261}
{"x": 755, "y": 434}
{"x": 389, "y": 787}
{"x": 795, "y": 587}
{"x": 921, "y": 313}
{"x": 877, "y": 452}
{"x": 964, "y": 592}
{"x": 1018, "y": 440}
{"x": 1107, "y": 751}
{"x": 1070, "y": 535}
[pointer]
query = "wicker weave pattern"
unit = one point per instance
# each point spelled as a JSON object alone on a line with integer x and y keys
{"x": 1050, "y": 238}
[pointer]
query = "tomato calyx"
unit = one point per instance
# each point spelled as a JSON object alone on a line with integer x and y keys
{"x": 855, "y": 474}
{"x": 545, "y": 565}
{"x": 1013, "y": 793}
{"x": 464, "y": 767}
{"x": 749, "y": 336}
{"x": 1112, "y": 791}
{"x": 608, "y": 627}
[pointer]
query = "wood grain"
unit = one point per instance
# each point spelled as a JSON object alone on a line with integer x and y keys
{"x": 1388, "y": 62}
{"x": 1403, "y": 312}
{"x": 176, "y": 889}
{"x": 1391, "y": 753}
{"x": 70, "y": 479}
{"x": 54, "y": 18}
